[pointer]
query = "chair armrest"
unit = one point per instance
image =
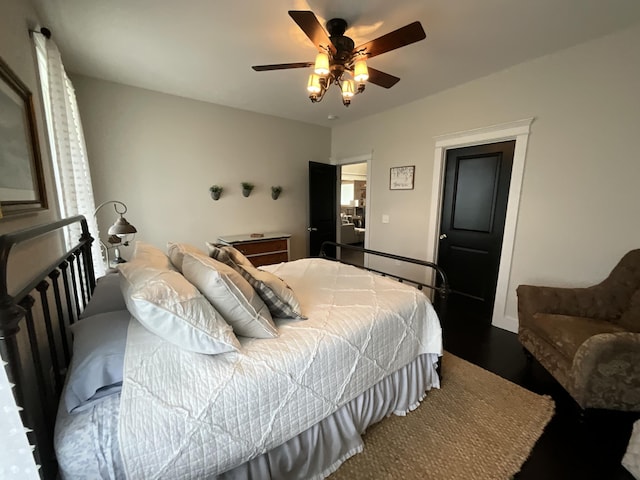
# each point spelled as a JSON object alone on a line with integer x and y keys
{"x": 348, "y": 233}
{"x": 606, "y": 371}
{"x": 592, "y": 302}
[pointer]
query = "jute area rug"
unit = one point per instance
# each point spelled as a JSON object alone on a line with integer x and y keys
{"x": 477, "y": 426}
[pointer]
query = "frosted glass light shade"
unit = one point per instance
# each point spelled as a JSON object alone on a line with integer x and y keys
{"x": 361, "y": 72}
{"x": 322, "y": 64}
{"x": 348, "y": 90}
{"x": 314, "y": 84}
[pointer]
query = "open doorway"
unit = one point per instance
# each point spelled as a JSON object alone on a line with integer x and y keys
{"x": 353, "y": 208}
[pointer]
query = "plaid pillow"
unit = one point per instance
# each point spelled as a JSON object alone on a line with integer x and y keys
{"x": 275, "y": 293}
{"x": 217, "y": 252}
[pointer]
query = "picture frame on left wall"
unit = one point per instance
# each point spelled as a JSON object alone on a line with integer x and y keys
{"x": 22, "y": 188}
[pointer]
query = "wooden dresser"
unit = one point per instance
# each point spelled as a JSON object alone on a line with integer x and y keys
{"x": 270, "y": 248}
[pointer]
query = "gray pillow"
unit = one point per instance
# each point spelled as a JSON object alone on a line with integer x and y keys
{"x": 98, "y": 357}
{"x": 107, "y": 296}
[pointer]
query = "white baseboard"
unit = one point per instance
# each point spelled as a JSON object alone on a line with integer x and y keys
{"x": 506, "y": 323}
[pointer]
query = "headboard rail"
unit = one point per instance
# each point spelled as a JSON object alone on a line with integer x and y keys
{"x": 39, "y": 354}
{"x": 333, "y": 251}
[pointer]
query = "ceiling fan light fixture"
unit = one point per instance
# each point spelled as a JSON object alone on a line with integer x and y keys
{"x": 322, "y": 64}
{"x": 360, "y": 71}
{"x": 338, "y": 54}
{"x": 313, "y": 87}
{"x": 348, "y": 91}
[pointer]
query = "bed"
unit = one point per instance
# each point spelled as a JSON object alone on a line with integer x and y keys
{"x": 290, "y": 404}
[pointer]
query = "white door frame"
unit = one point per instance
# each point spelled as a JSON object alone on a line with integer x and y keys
{"x": 518, "y": 131}
{"x": 365, "y": 157}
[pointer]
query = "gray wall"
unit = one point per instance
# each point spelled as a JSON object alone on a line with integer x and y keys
{"x": 580, "y": 200}
{"x": 160, "y": 153}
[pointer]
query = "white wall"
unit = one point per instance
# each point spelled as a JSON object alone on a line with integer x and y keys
{"x": 160, "y": 153}
{"x": 17, "y": 51}
{"x": 580, "y": 200}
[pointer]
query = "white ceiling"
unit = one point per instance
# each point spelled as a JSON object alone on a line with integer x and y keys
{"x": 204, "y": 49}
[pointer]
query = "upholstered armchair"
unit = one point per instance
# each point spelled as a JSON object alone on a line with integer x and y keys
{"x": 588, "y": 338}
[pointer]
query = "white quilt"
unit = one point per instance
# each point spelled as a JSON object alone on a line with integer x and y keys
{"x": 188, "y": 415}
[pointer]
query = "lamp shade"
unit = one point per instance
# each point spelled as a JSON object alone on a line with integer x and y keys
{"x": 347, "y": 89}
{"x": 313, "y": 86}
{"x": 361, "y": 72}
{"x": 322, "y": 64}
{"x": 121, "y": 227}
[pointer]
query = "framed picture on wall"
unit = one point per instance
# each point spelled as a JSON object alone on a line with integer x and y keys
{"x": 401, "y": 178}
{"x": 21, "y": 179}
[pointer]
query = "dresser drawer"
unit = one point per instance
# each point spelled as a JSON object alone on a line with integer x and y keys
{"x": 263, "y": 246}
{"x": 269, "y": 259}
{"x": 272, "y": 248}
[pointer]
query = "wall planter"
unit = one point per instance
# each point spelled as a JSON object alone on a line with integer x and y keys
{"x": 275, "y": 192}
{"x": 215, "y": 191}
{"x": 246, "y": 188}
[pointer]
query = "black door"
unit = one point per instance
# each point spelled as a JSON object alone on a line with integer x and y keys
{"x": 323, "y": 182}
{"x": 476, "y": 190}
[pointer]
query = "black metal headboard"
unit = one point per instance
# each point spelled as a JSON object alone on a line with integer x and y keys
{"x": 39, "y": 355}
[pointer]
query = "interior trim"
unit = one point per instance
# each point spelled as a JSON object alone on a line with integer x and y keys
{"x": 519, "y": 131}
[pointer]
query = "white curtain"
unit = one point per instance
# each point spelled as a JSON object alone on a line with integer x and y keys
{"x": 69, "y": 153}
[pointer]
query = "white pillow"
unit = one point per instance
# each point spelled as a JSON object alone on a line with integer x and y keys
{"x": 151, "y": 256}
{"x": 172, "y": 308}
{"x": 176, "y": 253}
{"x": 231, "y": 295}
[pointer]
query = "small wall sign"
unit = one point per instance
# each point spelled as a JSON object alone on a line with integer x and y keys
{"x": 401, "y": 178}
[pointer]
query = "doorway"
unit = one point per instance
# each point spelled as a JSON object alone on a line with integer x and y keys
{"x": 352, "y": 221}
{"x": 474, "y": 207}
{"x": 519, "y": 131}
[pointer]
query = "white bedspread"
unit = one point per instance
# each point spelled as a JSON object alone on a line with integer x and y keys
{"x": 187, "y": 415}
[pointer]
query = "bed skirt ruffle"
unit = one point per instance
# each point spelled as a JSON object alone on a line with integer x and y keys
{"x": 86, "y": 443}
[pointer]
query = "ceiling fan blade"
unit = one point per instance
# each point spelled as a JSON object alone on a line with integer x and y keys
{"x": 398, "y": 38}
{"x": 282, "y": 66}
{"x": 310, "y": 25}
{"x": 382, "y": 79}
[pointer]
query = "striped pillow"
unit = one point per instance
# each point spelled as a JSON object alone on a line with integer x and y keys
{"x": 275, "y": 293}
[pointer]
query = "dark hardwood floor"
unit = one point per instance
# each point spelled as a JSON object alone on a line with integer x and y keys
{"x": 571, "y": 447}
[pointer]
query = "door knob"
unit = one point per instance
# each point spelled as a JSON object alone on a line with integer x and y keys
{"x": 312, "y": 229}
{"x": 443, "y": 236}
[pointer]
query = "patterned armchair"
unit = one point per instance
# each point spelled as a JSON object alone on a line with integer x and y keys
{"x": 588, "y": 338}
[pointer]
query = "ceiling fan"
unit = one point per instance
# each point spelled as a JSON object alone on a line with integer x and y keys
{"x": 338, "y": 58}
